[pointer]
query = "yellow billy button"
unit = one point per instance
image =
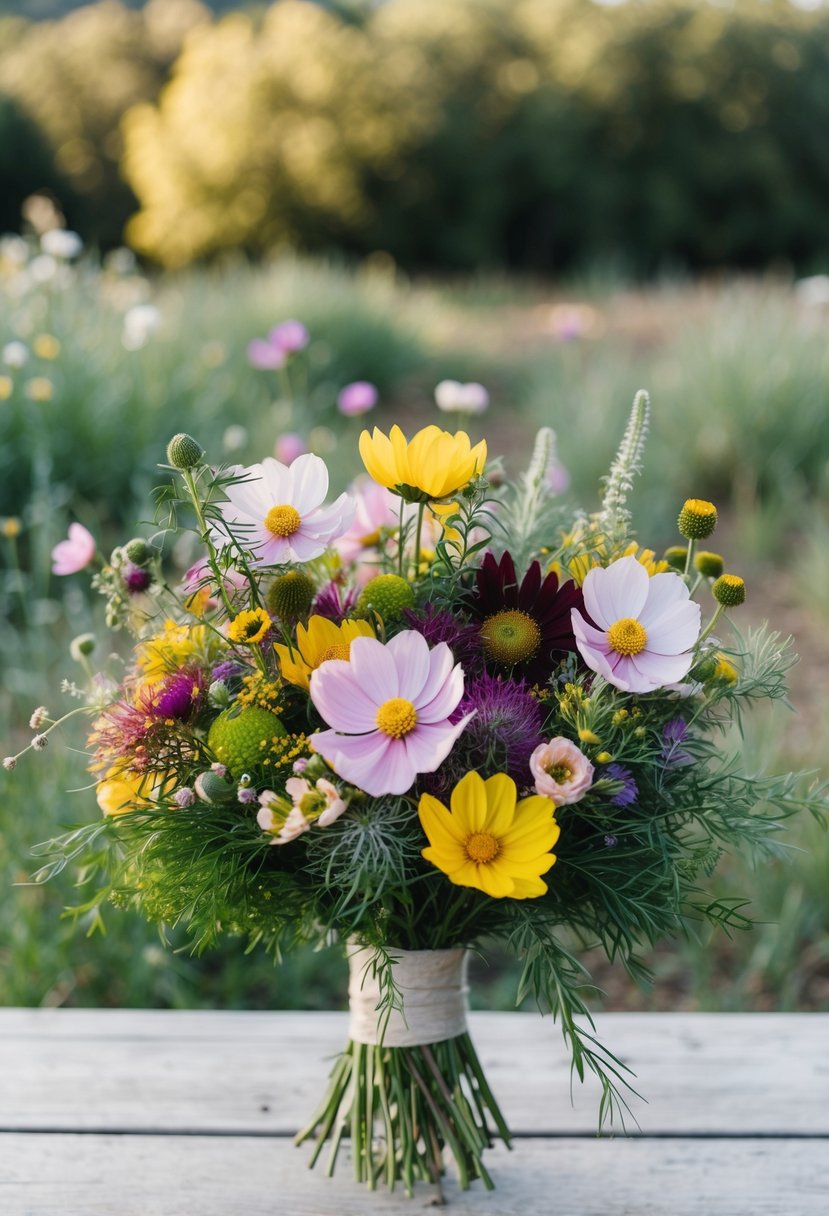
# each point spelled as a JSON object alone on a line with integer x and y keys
{"x": 510, "y": 637}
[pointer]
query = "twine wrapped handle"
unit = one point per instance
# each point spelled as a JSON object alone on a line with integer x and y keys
{"x": 433, "y": 986}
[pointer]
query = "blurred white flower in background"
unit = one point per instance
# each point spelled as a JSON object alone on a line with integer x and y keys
{"x": 61, "y": 243}
{"x": 234, "y": 438}
{"x": 452, "y": 396}
{"x": 15, "y": 354}
{"x": 42, "y": 268}
{"x": 140, "y": 322}
{"x": 813, "y": 291}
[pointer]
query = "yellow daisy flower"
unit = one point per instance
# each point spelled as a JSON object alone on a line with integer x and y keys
{"x": 321, "y": 639}
{"x": 489, "y": 840}
{"x": 433, "y": 464}
{"x": 249, "y": 626}
{"x": 174, "y": 646}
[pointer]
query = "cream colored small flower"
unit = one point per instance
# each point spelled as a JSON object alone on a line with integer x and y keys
{"x": 562, "y": 772}
{"x": 319, "y": 804}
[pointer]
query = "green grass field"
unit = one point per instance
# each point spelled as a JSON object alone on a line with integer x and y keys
{"x": 739, "y": 377}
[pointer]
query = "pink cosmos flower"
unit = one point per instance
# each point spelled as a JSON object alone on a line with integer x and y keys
{"x": 357, "y": 398}
{"x": 645, "y": 627}
{"x": 289, "y": 446}
{"x": 388, "y": 707}
{"x": 277, "y": 512}
{"x": 73, "y": 554}
{"x": 561, "y": 771}
{"x": 376, "y": 510}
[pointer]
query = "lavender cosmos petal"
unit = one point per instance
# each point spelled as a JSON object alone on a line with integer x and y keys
{"x": 411, "y": 656}
{"x": 595, "y": 658}
{"x": 676, "y": 631}
{"x": 340, "y": 700}
{"x": 360, "y": 760}
{"x": 589, "y": 635}
{"x": 429, "y": 744}
{"x": 665, "y": 592}
{"x": 309, "y": 481}
{"x": 305, "y": 545}
{"x": 269, "y": 550}
{"x": 375, "y": 670}
{"x": 332, "y": 521}
{"x": 618, "y": 591}
{"x": 441, "y": 663}
{"x": 445, "y": 700}
{"x": 276, "y": 480}
{"x": 626, "y": 677}
{"x": 661, "y": 669}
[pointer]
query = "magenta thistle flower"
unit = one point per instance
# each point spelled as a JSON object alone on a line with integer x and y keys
{"x": 503, "y": 730}
{"x": 357, "y": 398}
{"x": 176, "y": 697}
{"x": 334, "y": 603}
{"x": 438, "y": 625}
{"x": 524, "y": 627}
{"x": 644, "y": 627}
{"x": 388, "y": 708}
{"x": 136, "y": 578}
{"x": 75, "y": 553}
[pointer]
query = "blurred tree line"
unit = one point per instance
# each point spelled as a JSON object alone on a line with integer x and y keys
{"x": 449, "y": 133}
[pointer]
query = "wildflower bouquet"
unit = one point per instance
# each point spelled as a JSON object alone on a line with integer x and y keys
{"x": 437, "y": 711}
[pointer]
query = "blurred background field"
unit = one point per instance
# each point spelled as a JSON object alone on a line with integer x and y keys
{"x": 562, "y": 200}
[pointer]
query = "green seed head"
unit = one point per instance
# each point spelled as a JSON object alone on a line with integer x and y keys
{"x": 387, "y": 596}
{"x": 290, "y": 596}
{"x": 183, "y": 452}
{"x": 729, "y": 590}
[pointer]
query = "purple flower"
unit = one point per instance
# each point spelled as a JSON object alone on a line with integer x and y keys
{"x": 629, "y": 791}
{"x": 184, "y": 796}
{"x": 501, "y": 736}
{"x": 357, "y": 398}
{"x": 136, "y": 579}
{"x": 247, "y": 795}
{"x": 177, "y": 696}
{"x": 674, "y": 734}
{"x": 333, "y": 604}
{"x": 611, "y": 841}
{"x": 437, "y": 625}
{"x": 226, "y": 670}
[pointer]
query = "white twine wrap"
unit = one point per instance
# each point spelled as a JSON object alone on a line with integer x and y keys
{"x": 433, "y": 986}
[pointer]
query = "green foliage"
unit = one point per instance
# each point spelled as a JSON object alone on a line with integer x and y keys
{"x": 473, "y": 133}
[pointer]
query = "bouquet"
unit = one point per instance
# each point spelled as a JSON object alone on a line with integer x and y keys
{"x": 439, "y": 711}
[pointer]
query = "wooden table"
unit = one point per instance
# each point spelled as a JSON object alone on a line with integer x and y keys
{"x": 132, "y": 1113}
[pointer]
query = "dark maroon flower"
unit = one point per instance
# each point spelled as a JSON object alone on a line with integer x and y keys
{"x": 524, "y": 627}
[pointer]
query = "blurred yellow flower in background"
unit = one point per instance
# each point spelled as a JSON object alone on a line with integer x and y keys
{"x": 40, "y": 389}
{"x": 46, "y": 346}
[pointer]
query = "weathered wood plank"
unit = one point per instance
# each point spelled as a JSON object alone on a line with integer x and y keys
{"x": 43, "y": 1175}
{"x": 162, "y": 1071}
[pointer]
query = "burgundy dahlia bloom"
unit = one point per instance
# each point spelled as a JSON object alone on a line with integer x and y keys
{"x": 524, "y": 627}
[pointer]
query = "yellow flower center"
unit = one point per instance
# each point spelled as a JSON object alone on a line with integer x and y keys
{"x": 283, "y": 520}
{"x": 560, "y": 773}
{"x": 396, "y": 717}
{"x": 482, "y": 847}
{"x": 510, "y": 637}
{"x": 626, "y": 636}
{"x": 341, "y": 650}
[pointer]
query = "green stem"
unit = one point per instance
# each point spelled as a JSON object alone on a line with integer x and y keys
{"x": 212, "y": 561}
{"x": 711, "y": 624}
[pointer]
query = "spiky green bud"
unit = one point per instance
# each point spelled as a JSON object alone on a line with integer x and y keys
{"x": 183, "y": 452}
{"x": 710, "y": 565}
{"x": 729, "y": 590}
{"x": 697, "y": 519}
{"x": 138, "y": 552}
{"x": 387, "y": 595}
{"x": 290, "y": 596}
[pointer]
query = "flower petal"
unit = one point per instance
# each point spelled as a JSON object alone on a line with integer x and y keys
{"x": 501, "y": 794}
{"x": 620, "y": 590}
{"x": 309, "y": 482}
{"x": 374, "y": 670}
{"x": 411, "y": 657}
{"x": 339, "y": 698}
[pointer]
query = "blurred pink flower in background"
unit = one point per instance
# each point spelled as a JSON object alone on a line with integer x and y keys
{"x": 289, "y": 446}
{"x": 75, "y": 553}
{"x": 376, "y": 511}
{"x": 357, "y": 398}
{"x": 568, "y": 322}
{"x": 271, "y": 353}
